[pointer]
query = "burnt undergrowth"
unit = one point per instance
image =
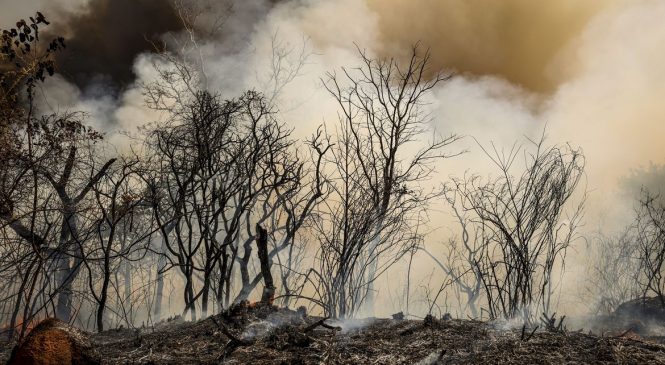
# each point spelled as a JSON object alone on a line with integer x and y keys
{"x": 267, "y": 335}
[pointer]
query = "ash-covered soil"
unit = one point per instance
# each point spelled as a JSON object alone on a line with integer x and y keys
{"x": 281, "y": 336}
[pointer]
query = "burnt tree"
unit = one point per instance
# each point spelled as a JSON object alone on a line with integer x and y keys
{"x": 262, "y": 251}
{"x": 376, "y": 193}
{"x": 526, "y": 224}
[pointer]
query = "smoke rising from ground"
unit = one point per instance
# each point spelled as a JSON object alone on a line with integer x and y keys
{"x": 604, "y": 79}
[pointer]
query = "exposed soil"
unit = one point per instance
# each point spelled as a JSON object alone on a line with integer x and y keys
{"x": 270, "y": 336}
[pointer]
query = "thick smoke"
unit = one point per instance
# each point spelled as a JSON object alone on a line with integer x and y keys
{"x": 13, "y": 10}
{"x": 650, "y": 178}
{"x": 518, "y": 40}
{"x": 105, "y": 37}
{"x": 591, "y": 71}
{"x": 599, "y": 64}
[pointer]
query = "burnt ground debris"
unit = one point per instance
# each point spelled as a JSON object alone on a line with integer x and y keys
{"x": 267, "y": 335}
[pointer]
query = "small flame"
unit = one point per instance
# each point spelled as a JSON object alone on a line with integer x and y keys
{"x": 253, "y": 305}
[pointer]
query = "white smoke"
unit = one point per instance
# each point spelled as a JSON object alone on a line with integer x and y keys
{"x": 607, "y": 96}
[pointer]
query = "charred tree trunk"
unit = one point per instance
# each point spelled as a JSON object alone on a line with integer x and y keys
{"x": 127, "y": 277}
{"x": 104, "y": 294}
{"x": 262, "y": 245}
{"x": 63, "y": 262}
{"x": 161, "y": 264}
{"x": 17, "y": 306}
{"x": 205, "y": 296}
{"x": 161, "y": 268}
{"x": 188, "y": 292}
{"x": 64, "y": 302}
{"x": 243, "y": 264}
{"x": 221, "y": 287}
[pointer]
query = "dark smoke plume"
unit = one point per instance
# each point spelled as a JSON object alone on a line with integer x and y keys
{"x": 104, "y": 39}
{"x": 518, "y": 40}
{"x": 103, "y": 42}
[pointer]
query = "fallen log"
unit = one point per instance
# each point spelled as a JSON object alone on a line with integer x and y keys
{"x": 321, "y": 322}
{"x": 53, "y": 342}
{"x": 234, "y": 341}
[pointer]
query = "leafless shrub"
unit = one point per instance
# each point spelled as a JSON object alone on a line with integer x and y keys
{"x": 458, "y": 264}
{"x": 524, "y": 230}
{"x": 650, "y": 236}
{"x": 613, "y": 270}
{"x": 367, "y": 222}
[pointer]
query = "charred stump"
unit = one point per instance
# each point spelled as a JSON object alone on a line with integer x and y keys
{"x": 262, "y": 245}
